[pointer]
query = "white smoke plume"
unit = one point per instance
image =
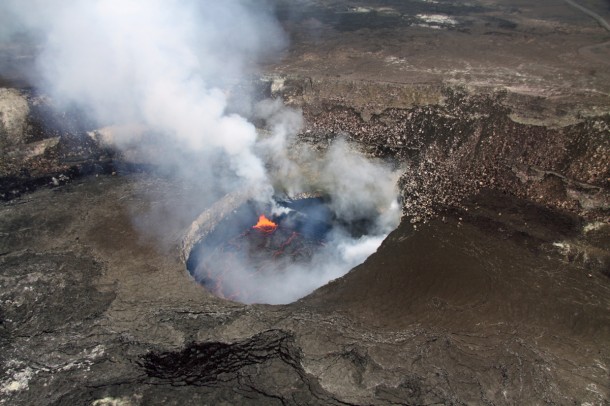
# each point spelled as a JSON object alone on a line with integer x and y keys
{"x": 163, "y": 64}
{"x": 165, "y": 68}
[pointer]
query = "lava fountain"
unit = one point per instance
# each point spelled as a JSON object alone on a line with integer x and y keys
{"x": 265, "y": 225}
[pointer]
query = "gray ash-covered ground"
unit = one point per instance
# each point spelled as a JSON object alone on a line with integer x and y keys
{"x": 478, "y": 306}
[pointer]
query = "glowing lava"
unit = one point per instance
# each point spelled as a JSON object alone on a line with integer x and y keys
{"x": 265, "y": 225}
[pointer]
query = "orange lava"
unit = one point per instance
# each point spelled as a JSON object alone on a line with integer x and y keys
{"x": 265, "y": 225}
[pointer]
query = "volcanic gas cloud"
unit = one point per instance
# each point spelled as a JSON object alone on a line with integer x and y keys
{"x": 169, "y": 68}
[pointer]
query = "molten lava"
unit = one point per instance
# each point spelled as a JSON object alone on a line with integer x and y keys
{"x": 265, "y": 225}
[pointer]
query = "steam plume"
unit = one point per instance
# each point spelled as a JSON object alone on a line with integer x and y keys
{"x": 165, "y": 67}
{"x": 163, "y": 64}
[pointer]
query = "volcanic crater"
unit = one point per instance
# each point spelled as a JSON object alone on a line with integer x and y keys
{"x": 261, "y": 248}
{"x": 251, "y": 258}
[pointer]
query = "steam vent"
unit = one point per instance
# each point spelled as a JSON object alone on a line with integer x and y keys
{"x": 304, "y": 202}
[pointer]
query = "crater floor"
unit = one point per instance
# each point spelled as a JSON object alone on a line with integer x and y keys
{"x": 481, "y": 309}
